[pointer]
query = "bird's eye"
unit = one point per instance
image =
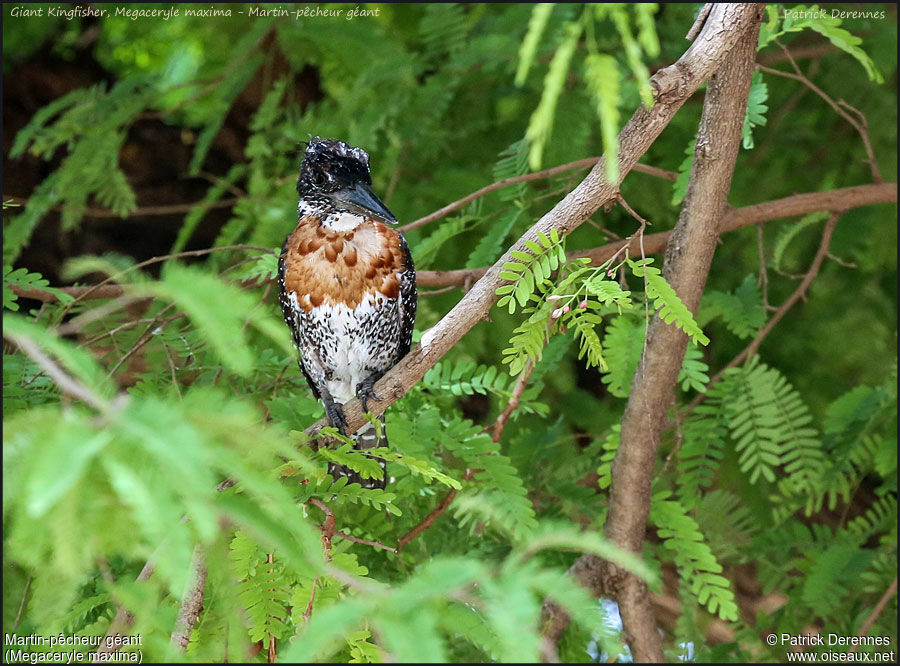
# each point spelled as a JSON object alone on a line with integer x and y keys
{"x": 318, "y": 178}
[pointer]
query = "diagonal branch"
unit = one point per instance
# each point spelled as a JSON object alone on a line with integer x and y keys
{"x": 672, "y": 86}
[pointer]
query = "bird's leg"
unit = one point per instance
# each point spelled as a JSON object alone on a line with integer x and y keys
{"x": 335, "y": 413}
{"x": 365, "y": 390}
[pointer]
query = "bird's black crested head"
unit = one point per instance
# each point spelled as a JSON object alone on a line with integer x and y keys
{"x": 330, "y": 165}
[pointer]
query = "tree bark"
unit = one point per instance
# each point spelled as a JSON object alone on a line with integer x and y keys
{"x": 689, "y": 253}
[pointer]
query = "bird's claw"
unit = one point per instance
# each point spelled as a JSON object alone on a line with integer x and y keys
{"x": 365, "y": 391}
{"x": 336, "y": 416}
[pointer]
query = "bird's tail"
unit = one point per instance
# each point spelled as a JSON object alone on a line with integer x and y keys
{"x": 364, "y": 438}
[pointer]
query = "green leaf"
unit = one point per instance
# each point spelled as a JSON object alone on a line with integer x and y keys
{"x": 25, "y": 280}
{"x": 602, "y": 77}
{"x": 541, "y": 122}
{"x": 540, "y": 15}
{"x": 756, "y": 109}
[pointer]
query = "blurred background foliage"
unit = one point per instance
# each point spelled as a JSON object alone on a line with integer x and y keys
{"x": 136, "y": 115}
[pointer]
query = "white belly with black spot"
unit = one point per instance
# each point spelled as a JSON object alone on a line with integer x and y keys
{"x": 342, "y": 346}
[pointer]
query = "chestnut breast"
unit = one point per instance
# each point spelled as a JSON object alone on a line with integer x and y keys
{"x": 322, "y": 265}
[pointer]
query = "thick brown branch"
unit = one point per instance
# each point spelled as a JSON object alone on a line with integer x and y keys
{"x": 689, "y": 254}
{"x": 672, "y": 86}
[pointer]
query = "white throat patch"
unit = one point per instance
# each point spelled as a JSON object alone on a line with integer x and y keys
{"x": 343, "y": 221}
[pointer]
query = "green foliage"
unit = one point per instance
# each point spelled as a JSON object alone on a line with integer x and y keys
{"x": 769, "y": 423}
{"x": 530, "y": 269}
{"x": 801, "y": 17}
{"x": 693, "y": 557}
{"x": 756, "y": 110}
{"x": 679, "y": 187}
{"x": 25, "y": 280}
{"x": 92, "y": 125}
{"x": 742, "y": 310}
{"x": 168, "y": 423}
{"x": 600, "y": 70}
{"x": 665, "y": 301}
{"x": 789, "y": 233}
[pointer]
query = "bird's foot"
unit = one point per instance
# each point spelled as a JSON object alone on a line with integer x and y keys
{"x": 365, "y": 391}
{"x": 335, "y": 414}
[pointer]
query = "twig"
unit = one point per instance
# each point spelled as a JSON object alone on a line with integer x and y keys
{"x": 172, "y": 369}
{"x": 435, "y": 292}
{"x": 814, "y": 52}
{"x": 374, "y": 544}
{"x": 166, "y": 257}
{"x": 215, "y": 180}
{"x": 22, "y": 603}
{"x": 631, "y": 212}
{"x": 514, "y": 180}
{"x": 171, "y": 209}
{"x": 514, "y": 400}
{"x": 270, "y": 559}
{"x": 798, "y": 293}
{"x": 873, "y": 616}
{"x": 860, "y": 127}
{"x": 763, "y": 273}
{"x": 312, "y": 598}
{"x": 191, "y": 602}
{"x": 145, "y": 337}
{"x": 395, "y": 177}
{"x": 328, "y": 525}
{"x": 428, "y": 521}
{"x": 66, "y": 383}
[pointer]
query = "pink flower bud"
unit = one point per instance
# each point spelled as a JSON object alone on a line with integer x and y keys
{"x": 565, "y": 309}
{"x": 611, "y": 272}
{"x": 556, "y": 314}
{"x": 553, "y": 297}
{"x": 583, "y": 304}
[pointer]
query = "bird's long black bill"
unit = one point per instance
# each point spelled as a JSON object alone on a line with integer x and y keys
{"x": 362, "y": 197}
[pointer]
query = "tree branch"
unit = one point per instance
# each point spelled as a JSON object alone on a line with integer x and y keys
{"x": 689, "y": 254}
{"x": 842, "y": 199}
{"x": 191, "y": 603}
{"x": 798, "y": 293}
{"x": 672, "y": 86}
{"x": 873, "y": 616}
{"x": 169, "y": 209}
{"x": 65, "y": 382}
{"x": 514, "y": 180}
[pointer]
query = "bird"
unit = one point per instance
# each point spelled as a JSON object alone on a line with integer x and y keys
{"x": 347, "y": 288}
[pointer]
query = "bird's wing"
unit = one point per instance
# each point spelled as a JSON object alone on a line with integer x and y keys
{"x": 408, "y": 299}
